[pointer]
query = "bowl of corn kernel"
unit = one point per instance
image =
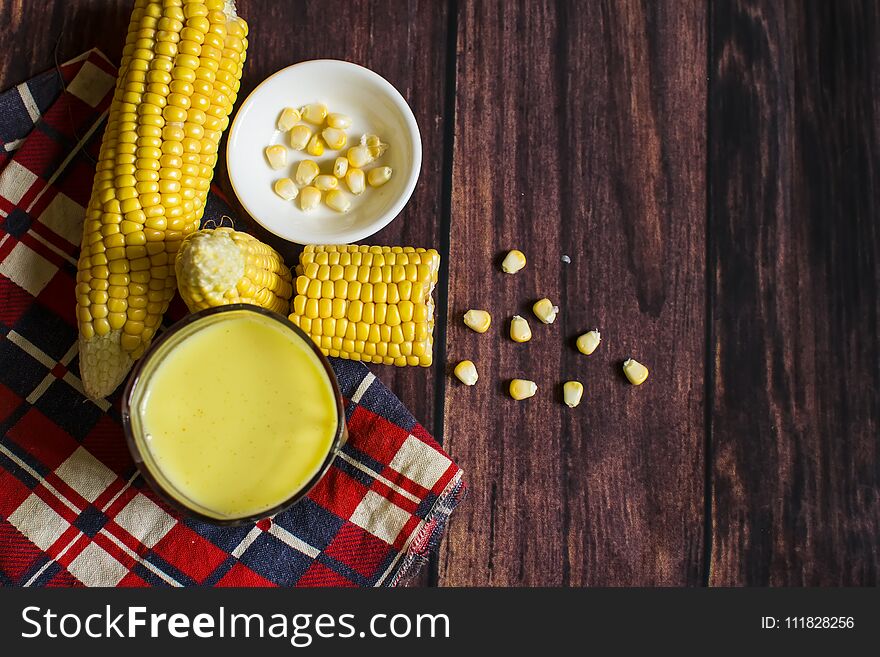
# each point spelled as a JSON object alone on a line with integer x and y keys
{"x": 324, "y": 152}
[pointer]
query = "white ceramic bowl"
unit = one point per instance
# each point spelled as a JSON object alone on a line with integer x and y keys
{"x": 374, "y": 105}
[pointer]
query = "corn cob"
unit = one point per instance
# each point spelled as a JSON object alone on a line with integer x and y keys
{"x": 177, "y": 83}
{"x": 369, "y": 303}
{"x": 222, "y": 266}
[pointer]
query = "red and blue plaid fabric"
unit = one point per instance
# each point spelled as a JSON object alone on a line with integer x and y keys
{"x": 73, "y": 510}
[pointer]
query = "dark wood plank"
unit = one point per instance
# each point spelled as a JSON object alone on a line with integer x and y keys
{"x": 580, "y": 130}
{"x": 796, "y": 248}
{"x": 403, "y": 40}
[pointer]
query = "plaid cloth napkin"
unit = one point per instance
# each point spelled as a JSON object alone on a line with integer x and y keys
{"x": 73, "y": 510}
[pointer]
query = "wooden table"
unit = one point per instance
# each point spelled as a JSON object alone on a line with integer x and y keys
{"x": 711, "y": 171}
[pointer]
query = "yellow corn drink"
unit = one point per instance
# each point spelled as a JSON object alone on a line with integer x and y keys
{"x": 234, "y": 414}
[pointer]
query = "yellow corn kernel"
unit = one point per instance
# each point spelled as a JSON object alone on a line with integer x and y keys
{"x": 334, "y": 138}
{"x": 359, "y": 156}
{"x": 325, "y": 182}
{"x": 288, "y": 118}
{"x": 522, "y": 389}
{"x": 286, "y": 189}
{"x": 379, "y": 176}
{"x": 306, "y": 172}
{"x": 276, "y": 156}
{"x": 635, "y": 371}
{"x": 513, "y": 262}
{"x": 340, "y": 167}
{"x": 309, "y": 198}
{"x": 572, "y": 391}
{"x": 315, "y": 146}
{"x": 314, "y": 113}
{"x": 337, "y": 200}
{"x": 299, "y": 136}
{"x": 355, "y": 180}
{"x": 478, "y": 320}
{"x": 340, "y": 121}
{"x": 588, "y": 342}
{"x": 375, "y": 146}
{"x": 545, "y": 310}
{"x": 466, "y": 372}
{"x": 519, "y": 329}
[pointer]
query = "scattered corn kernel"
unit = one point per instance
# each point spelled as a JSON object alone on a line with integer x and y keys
{"x": 545, "y": 310}
{"x": 306, "y": 172}
{"x": 522, "y": 389}
{"x": 635, "y": 371}
{"x": 337, "y": 200}
{"x": 299, "y": 137}
{"x": 334, "y": 138}
{"x": 315, "y": 146}
{"x": 309, "y": 198}
{"x": 276, "y": 155}
{"x": 519, "y": 329}
{"x": 326, "y": 182}
{"x": 359, "y": 156}
{"x": 477, "y": 320}
{"x": 588, "y": 342}
{"x": 355, "y": 180}
{"x": 287, "y": 119}
{"x": 572, "y": 391}
{"x": 466, "y": 372}
{"x": 375, "y": 145}
{"x": 285, "y": 188}
{"x": 314, "y": 113}
{"x": 340, "y": 167}
{"x": 513, "y": 261}
{"x": 379, "y": 176}
{"x": 341, "y": 121}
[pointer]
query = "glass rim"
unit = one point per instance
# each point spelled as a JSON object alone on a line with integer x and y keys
{"x": 137, "y": 454}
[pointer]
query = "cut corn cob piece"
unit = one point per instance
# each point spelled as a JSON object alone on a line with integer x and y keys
{"x": 477, "y": 320}
{"x": 217, "y": 267}
{"x": 522, "y": 389}
{"x": 179, "y": 76}
{"x": 288, "y": 118}
{"x": 369, "y": 303}
{"x": 466, "y": 372}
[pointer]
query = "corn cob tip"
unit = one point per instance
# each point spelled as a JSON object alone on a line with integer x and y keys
{"x": 103, "y": 364}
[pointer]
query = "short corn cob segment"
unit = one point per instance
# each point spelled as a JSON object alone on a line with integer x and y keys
{"x": 177, "y": 83}
{"x": 222, "y": 266}
{"x": 369, "y": 303}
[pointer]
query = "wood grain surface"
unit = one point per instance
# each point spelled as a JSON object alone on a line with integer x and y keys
{"x": 580, "y": 139}
{"x": 710, "y": 169}
{"x": 794, "y": 211}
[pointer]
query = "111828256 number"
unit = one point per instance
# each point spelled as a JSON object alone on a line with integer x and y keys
{"x": 819, "y": 622}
